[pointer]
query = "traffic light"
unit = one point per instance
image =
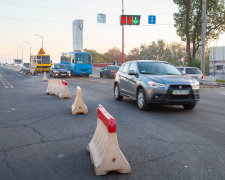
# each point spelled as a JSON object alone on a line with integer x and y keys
{"x": 130, "y": 19}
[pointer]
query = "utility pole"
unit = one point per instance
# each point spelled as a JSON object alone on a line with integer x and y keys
{"x": 122, "y": 35}
{"x": 41, "y": 46}
{"x": 203, "y": 36}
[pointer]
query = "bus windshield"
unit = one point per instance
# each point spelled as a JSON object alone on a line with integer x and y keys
{"x": 45, "y": 59}
{"x": 82, "y": 59}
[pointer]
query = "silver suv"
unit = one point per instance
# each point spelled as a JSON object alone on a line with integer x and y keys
{"x": 155, "y": 82}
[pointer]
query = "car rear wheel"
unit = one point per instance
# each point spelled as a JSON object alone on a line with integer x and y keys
{"x": 117, "y": 95}
{"x": 141, "y": 100}
{"x": 189, "y": 106}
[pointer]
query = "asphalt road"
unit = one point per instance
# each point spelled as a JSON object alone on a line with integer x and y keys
{"x": 41, "y": 139}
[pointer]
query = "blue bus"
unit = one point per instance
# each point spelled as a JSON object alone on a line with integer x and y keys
{"x": 77, "y": 62}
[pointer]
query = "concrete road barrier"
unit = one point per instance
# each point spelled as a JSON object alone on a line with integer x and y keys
{"x": 53, "y": 86}
{"x": 78, "y": 107}
{"x": 64, "y": 92}
{"x": 104, "y": 149}
{"x": 50, "y": 86}
{"x": 45, "y": 77}
{"x": 59, "y": 88}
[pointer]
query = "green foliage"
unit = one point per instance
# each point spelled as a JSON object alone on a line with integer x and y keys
{"x": 188, "y": 22}
{"x": 173, "y": 53}
{"x": 189, "y": 61}
{"x": 98, "y": 57}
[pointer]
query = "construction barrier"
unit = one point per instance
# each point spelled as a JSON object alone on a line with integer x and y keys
{"x": 45, "y": 77}
{"x": 64, "y": 92}
{"x": 50, "y": 86}
{"x": 57, "y": 87}
{"x": 78, "y": 106}
{"x": 104, "y": 149}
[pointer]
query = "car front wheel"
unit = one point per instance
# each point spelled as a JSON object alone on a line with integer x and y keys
{"x": 141, "y": 100}
{"x": 117, "y": 95}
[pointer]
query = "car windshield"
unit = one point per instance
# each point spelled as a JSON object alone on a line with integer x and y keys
{"x": 114, "y": 67}
{"x": 192, "y": 71}
{"x": 157, "y": 68}
{"x": 60, "y": 66}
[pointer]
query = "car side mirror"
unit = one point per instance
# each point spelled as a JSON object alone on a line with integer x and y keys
{"x": 132, "y": 72}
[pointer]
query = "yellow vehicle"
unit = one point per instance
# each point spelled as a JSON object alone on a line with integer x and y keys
{"x": 42, "y": 61}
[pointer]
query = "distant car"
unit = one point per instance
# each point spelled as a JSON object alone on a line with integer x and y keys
{"x": 155, "y": 82}
{"x": 59, "y": 70}
{"x": 193, "y": 72}
{"x": 109, "y": 71}
{"x": 26, "y": 64}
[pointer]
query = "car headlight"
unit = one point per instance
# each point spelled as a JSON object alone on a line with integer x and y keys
{"x": 195, "y": 84}
{"x": 56, "y": 72}
{"x": 155, "y": 84}
{"x": 68, "y": 72}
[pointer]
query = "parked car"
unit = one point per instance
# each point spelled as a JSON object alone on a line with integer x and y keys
{"x": 194, "y": 73}
{"x": 59, "y": 70}
{"x": 109, "y": 71}
{"x": 26, "y": 64}
{"x": 155, "y": 82}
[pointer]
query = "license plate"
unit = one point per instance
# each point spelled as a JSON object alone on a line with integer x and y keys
{"x": 180, "y": 92}
{"x": 63, "y": 74}
{"x": 83, "y": 72}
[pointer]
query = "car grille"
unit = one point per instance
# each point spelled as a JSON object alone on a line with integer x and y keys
{"x": 180, "y": 87}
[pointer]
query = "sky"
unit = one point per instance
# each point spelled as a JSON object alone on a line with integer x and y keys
{"x": 21, "y": 19}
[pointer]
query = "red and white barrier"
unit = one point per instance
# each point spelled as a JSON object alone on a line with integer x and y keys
{"x": 104, "y": 149}
{"x": 59, "y": 88}
{"x": 64, "y": 92}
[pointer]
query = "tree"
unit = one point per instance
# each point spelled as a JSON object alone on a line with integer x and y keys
{"x": 134, "y": 54}
{"x": 188, "y": 23}
{"x": 115, "y": 54}
{"x": 173, "y": 52}
{"x": 97, "y": 57}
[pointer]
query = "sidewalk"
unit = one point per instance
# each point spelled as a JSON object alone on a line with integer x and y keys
{"x": 210, "y": 83}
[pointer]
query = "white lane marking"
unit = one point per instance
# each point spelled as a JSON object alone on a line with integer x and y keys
{"x": 5, "y": 82}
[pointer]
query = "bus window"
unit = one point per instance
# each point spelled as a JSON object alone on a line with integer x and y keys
{"x": 82, "y": 59}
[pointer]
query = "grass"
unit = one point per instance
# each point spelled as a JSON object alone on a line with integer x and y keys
{"x": 219, "y": 80}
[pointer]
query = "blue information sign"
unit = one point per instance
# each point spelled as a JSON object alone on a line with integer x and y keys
{"x": 151, "y": 19}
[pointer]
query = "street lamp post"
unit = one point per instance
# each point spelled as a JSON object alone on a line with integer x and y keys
{"x": 41, "y": 46}
{"x": 30, "y": 48}
{"x": 122, "y": 35}
{"x": 203, "y": 36}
